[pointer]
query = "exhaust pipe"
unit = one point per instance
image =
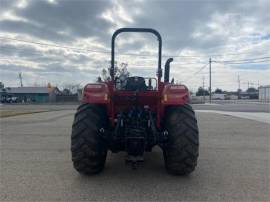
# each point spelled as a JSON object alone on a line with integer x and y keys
{"x": 167, "y": 70}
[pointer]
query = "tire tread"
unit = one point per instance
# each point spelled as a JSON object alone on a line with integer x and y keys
{"x": 182, "y": 150}
{"x": 88, "y": 153}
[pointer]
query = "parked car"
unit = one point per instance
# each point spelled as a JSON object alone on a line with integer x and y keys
{"x": 10, "y": 99}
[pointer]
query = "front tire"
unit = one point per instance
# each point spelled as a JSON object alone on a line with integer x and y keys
{"x": 182, "y": 151}
{"x": 88, "y": 150}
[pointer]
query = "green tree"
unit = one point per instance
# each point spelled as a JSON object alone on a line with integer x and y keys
{"x": 218, "y": 91}
{"x": 201, "y": 92}
{"x": 251, "y": 90}
{"x": 2, "y": 85}
{"x": 66, "y": 91}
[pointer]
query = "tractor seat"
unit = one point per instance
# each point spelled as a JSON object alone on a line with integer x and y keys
{"x": 135, "y": 83}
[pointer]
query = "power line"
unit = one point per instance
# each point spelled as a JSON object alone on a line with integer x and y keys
{"x": 200, "y": 69}
{"x": 90, "y": 50}
{"x": 148, "y": 55}
{"x": 108, "y": 52}
{"x": 180, "y": 65}
{"x": 53, "y": 45}
{"x": 38, "y": 53}
{"x": 245, "y": 62}
{"x": 240, "y": 61}
{"x": 248, "y": 59}
{"x": 49, "y": 54}
{"x": 197, "y": 72}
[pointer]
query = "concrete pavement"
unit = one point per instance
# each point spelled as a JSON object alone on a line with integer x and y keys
{"x": 263, "y": 117}
{"x": 36, "y": 166}
{"x": 235, "y": 107}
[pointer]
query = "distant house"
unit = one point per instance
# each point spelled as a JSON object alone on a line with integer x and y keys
{"x": 231, "y": 97}
{"x": 32, "y": 94}
{"x": 218, "y": 96}
{"x": 3, "y": 93}
{"x": 249, "y": 95}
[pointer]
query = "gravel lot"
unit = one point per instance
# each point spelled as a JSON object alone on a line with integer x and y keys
{"x": 234, "y": 164}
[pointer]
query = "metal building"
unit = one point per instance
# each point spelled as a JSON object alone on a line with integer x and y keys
{"x": 264, "y": 93}
{"x": 32, "y": 94}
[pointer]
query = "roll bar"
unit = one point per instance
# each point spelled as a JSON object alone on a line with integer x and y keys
{"x": 159, "y": 72}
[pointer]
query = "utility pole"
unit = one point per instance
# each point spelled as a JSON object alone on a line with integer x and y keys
{"x": 20, "y": 77}
{"x": 210, "y": 81}
{"x": 203, "y": 91}
{"x": 248, "y": 84}
{"x": 239, "y": 87}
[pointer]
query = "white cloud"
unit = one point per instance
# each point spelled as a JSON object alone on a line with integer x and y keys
{"x": 222, "y": 30}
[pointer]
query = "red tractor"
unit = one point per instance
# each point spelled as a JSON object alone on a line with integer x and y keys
{"x": 134, "y": 116}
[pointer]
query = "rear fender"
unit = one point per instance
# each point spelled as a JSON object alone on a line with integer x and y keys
{"x": 173, "y": 94}
{"x": 97, "y": 93}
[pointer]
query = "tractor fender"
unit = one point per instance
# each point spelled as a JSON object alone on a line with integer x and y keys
{"x": 175, "y": 94}
{"x": 96, "y": 93}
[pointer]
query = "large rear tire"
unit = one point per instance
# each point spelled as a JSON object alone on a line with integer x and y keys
{"x": 88, "y": 150}
{"x": 182, "y": 151}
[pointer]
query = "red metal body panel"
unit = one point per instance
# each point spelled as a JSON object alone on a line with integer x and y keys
{"x": 96, "y": 93}
{"x": 120, "y": 100}
{"x": 175, "y": 95}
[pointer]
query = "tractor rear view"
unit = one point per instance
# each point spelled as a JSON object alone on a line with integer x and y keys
{"x": 134, "y": 115}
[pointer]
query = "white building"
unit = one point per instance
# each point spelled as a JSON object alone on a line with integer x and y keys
{"x": 218, "y": 96}
{"x": 231, "y": 97}
{"x": 264, "y": 93}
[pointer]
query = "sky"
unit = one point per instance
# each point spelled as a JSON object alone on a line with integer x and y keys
{"x": 65, "y": 42}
